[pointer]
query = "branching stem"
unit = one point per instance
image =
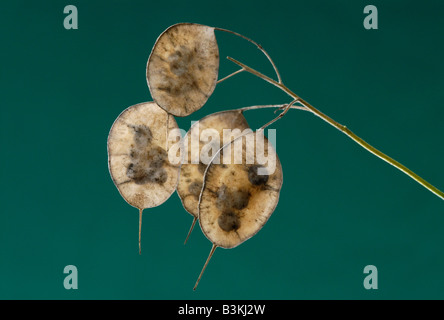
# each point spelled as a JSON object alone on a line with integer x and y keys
{"x": 343, "y": 129}
{"x": 278, "y": 106}
{"x": 287, "y": 107}
{"x": 259, "y": 47}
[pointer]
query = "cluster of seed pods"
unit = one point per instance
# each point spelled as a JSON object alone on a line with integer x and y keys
{"x": 231, "y": 201}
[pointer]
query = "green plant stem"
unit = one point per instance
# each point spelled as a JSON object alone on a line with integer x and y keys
{"x": 344, "y": 130}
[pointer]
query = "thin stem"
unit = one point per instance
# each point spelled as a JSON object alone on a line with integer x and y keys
{"x": 259, "y": 47}
{"x": 280, "y": 115}
{"x": 375, "y": 151}
{"x": 345, "y": 130}
{"x": 140, "y": 229}
{"x": 230, "y": 75}
{"x": 191, "y": 229}
{"x": 257, "y": 73}
{"x": 205, "y": 265}
{"x": 278, "y": 106}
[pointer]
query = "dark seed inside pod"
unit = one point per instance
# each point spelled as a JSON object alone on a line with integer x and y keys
{"x": 254, "y": 177}
{"x": 180, "y": 60}
{"x": 194, "y": 188}
{"x": 142, "y": 135}
{"x": 156, "y": 157}
{"x": 231, "y": 199}
{"x": 141, "y": 175}
{"x": 229, "y": 221}
{"x": 157, "y": 175}
{"x": 201, "y": 167}
{"x": 147, "y": 164}
{"x": 137, "y": 173}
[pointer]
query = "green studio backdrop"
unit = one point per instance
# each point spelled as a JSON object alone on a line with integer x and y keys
{"x": 340, "y": 207}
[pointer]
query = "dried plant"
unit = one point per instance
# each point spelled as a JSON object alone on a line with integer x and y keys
{"x": 231, "y": 201}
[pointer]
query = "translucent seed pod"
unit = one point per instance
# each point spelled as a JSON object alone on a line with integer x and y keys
{"x": 200, "y": 143}
{"x": 238, "y": 197}
{"x": 183, "y": 67}
{"x": 138, "y": 156}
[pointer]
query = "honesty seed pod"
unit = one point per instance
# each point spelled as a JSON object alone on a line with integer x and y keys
{"x": 238, "y": 197}
{"x": 138, "y": 156}
{"x": 200, "y": 143}
{"x": 234, "y": 199}
{"x": 183, "y": 67}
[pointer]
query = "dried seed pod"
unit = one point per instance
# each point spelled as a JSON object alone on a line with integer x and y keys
{"x": 193, "y": 167}
{"x": 138, "y": 156}
{"x": 237, "y": 200}
{"x": 237, "y": 197}
{"x": 183, "y": 67}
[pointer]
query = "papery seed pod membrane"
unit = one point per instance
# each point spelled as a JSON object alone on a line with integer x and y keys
{"x": 237, "y": 199}
{"x": 138, "y": 155}
{"x": 183, "y": 67}
{"x": 200, "y": 143}
{"x": 191, "y": 174}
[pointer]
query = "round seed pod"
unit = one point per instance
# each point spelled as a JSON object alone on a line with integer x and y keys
{"x": 237, "y": 199}
{"x": 191, "y": 174}
{"x": 183, "y": 67}
{"x": 138, "y": 155}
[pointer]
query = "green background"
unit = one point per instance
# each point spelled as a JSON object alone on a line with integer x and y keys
{"x": 341, "y": 208}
